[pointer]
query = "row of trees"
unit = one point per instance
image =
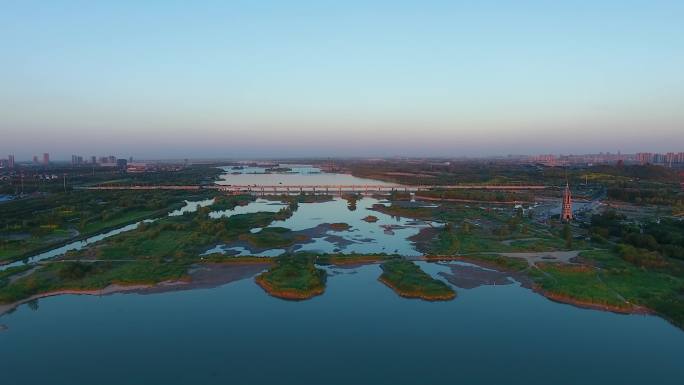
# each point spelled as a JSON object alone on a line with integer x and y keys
{"x": 664, "y": 237}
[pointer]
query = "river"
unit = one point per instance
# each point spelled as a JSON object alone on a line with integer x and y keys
{"x": 357, "y": 332}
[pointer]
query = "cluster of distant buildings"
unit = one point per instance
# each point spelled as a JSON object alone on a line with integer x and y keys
{"x": 76, "y": 160}
{"x": 7, "y": 163}
{"x": 670, "y": 159}
{"x": 124, "y": 165}
{"x": 103, "y": 161}
{"x": 121, "y": 164}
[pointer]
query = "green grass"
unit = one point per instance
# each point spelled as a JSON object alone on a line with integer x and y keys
{"x": 271, "y": 237}
{"x": 408, "y": 280}
{"x": 165, "y": 244}
{"x": 56, "y": 218}
{"x": 91, "y": 276}
{"x": 124, "y": 219}
{"x": 350, "y": 259}
{"x": 293, "y": 277}
{"x": 500, "y": 261}
{"x": 222, "y": 202}
{"x": 453, "y": 242}
{"x": 6, "y": 275}
{"x": 407, "y": 212}
{"x": 581, "y": 284}
{"x": 661, "y": 290}
{"x": 182, "y": 236}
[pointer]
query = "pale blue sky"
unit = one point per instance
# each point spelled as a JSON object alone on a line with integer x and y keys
{"x": 311, "y": 78}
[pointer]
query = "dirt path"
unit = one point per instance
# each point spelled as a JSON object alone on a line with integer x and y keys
{"x": 508, "y": 242}
{"x": 545, "y": 256}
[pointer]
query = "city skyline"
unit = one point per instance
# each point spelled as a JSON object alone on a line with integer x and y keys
{"x": 641, "y": 157}
{"x": 383, "y": 79}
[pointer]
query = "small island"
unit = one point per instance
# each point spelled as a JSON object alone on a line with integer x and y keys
{"x": 293, "y": 278}
{"x": 340, "y": 226}
{"x": 409, "y": 281}
{"x": 273, "y": 237}
{"x": 371, "y": 219}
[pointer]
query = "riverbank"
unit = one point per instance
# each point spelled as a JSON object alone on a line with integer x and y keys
{"x": 627, "y": 308}
{"x": 409, "y": 281}
{"x": 287, "y": 293}
{"x": 200, "y": 275}
{"x": 534, "y": 277}
{"x": 111, "y": 289}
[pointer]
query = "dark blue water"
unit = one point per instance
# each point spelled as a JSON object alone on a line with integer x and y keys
{"x": 358, "y": 332}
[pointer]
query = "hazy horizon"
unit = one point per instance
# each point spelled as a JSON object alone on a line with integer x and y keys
{"x": 299, "y": 79}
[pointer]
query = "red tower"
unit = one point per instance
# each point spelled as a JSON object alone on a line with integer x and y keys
{"x": 566, "y": 210}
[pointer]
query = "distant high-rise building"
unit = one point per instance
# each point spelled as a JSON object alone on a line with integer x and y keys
{"x": 566, "y": 210}
{"x": 10, "y": 161}
{"x": 46, "y": 158}
{"x": 121, "y": 164}
{"x": 111, "y": 159}
{"x": 644, "y": 157}
{"x": 35, "y": 159}
{"x": 93, "y": 159}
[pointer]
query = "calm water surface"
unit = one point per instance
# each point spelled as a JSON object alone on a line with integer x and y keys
{"x": 358, "y": 332}
{"x": 300, "y": 175}
{"x": 387, "y": 235}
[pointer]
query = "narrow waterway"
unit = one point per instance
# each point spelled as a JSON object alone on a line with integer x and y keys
{"x": 190, "y": 206}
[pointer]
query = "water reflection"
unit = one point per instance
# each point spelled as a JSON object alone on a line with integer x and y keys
{"x": 229, "y": 334}
{"x": 386, "y": 235}
{"x": 253, "y": 207}
{"x": 300, "y": 175}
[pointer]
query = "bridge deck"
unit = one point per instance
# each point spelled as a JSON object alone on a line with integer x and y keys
{"x": 320, "y": 188}
{"x": 381, "y": 187}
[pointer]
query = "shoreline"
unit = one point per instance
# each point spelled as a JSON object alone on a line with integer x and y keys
{"x": 291, "y": 295}
{"x": 203, "y": 275}
{"x": 583, "y": 304}
{"x": 107, "y": 290}
{"x": 217, "y": 273}
{"x": 527, "y": 283}
{"x": 433, "y": 199}
{"x": 416, "y": 294}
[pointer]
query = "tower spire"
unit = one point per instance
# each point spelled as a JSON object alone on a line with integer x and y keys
{"x": 566, "y": 208}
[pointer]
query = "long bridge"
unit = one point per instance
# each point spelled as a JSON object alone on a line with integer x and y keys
{"x": 329, "y": 189}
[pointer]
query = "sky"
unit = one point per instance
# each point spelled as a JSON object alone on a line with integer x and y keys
{"x": 202, "y": 79}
